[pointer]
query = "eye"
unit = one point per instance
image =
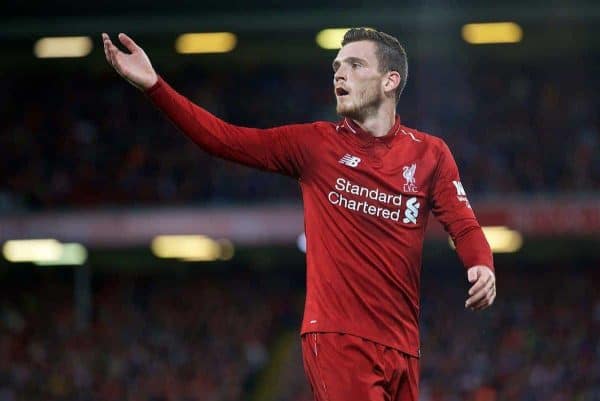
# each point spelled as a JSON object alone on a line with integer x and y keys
{"x": 355, "y": 65}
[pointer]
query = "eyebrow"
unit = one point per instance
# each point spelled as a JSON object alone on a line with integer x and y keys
{"x": 336, "y": 63}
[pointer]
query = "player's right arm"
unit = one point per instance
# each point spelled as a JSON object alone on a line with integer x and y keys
{"x": 282, "y": 149}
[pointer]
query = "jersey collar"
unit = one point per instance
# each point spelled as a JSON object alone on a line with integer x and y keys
{"x": 349, "y": 125}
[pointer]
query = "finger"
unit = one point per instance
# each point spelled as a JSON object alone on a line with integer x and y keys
{"x": 105, "y": 41}
{"x": 128, "y": 42}
{"x": 110, "y": 55}
{"x": 472, "y": 274}
{"x": 114, "y": 53}
{"x": 489, "y": 298}
{"x": 487, "y": 301}
{"x": 108, "y": 45}
{"x": 480, "y": 293}
{"x": 482, "y": 282}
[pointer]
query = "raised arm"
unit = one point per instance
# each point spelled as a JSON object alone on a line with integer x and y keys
{"x": 281, "y": 149}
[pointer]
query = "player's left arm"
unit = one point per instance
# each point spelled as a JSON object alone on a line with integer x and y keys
{"x": 452, "y": 208}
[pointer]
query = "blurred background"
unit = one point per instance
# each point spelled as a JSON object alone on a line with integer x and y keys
{"x": 99, "y": 300}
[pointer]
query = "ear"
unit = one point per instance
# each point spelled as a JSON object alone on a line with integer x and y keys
{"x": 392, "y": 81}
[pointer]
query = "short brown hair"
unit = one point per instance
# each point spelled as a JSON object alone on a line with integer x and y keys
{"x": 391, "y": 56}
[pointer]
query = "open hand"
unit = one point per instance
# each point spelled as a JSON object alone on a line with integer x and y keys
{"x": 134, "y": 66}
{"x": 483, "y": 291}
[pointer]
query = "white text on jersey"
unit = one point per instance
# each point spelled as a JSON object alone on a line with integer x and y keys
{"x": 461, "y": 195}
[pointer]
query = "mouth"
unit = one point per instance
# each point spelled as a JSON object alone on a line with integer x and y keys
{"x": 339, "y": 91}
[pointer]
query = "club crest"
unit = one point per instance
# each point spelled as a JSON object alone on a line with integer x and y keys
{"x": 408, "y": 172}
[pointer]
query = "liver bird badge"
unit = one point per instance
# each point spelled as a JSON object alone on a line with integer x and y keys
{"x": 408, "y": 172}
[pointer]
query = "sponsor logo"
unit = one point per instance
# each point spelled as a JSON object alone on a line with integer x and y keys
{"x": 349, "y": 160}
{"x": 412, "y": 211}
{"x": 374, "y": 202}
{"x": 461, "y": 195}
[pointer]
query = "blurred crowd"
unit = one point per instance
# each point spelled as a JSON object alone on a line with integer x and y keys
{"x": 210, "y": 338}
{"x": 156, "y": 339}
{"x": 81, "y": 139}
{"x": 541, "y": 341}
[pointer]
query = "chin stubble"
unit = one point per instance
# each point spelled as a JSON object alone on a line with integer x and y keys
{"x": 364, "y": 108}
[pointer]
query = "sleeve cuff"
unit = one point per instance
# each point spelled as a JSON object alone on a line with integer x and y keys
{"x": 473, "y": 249}
{"x": 154, "y": 88}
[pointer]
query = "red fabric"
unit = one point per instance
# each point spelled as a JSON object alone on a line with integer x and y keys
{"x": 342, "y": 367}
{"x": 366, "y": 205}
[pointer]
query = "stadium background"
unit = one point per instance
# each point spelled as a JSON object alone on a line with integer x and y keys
{"x": 85, "y": 159}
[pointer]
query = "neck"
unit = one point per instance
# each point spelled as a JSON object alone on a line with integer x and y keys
{"x": 380, "y": 122}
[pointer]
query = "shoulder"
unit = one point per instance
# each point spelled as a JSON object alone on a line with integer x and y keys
{"x": 428, "y": 142}
{"x": 318, "y": 130}
{"x": 324, "y": 126}
{"x": 315, "y": 127}
{"x": 308, "y": 132}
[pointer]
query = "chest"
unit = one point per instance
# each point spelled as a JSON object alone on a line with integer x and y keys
{"x": 404, "y": 168}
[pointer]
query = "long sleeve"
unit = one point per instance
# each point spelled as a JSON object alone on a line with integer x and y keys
{"x": 282, "y": 149}
{"x": 452, "y": 208}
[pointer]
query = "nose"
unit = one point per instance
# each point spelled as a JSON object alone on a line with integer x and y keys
{"x": 339, "y": 75}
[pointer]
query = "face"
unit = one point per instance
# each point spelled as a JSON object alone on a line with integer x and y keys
{"x": 358, "y": 84}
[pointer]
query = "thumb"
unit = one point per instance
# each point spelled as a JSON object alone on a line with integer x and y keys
{"x": 472, "y": 274}
{"x": 128, "y": 42}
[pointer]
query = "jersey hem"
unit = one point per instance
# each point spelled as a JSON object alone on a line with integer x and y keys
{"x": 410, "y": 352}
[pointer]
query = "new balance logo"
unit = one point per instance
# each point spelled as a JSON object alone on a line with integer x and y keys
{"x": 349, "y": 160}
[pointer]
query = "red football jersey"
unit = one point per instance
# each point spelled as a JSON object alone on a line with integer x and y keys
{"x": 366, "y": 205}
